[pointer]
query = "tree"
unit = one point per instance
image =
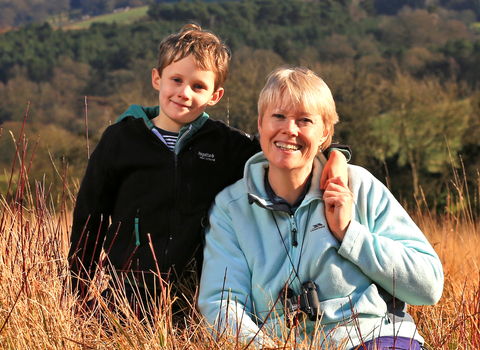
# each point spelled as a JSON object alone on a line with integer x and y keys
{"x": 22, "y": 12}
{"x": 419, "y": 29}
{"x": 459, "y": 5}
{"x": 423, "y": 118}
{"x": 391, "y": 7}
{"x": 249, "y": 70}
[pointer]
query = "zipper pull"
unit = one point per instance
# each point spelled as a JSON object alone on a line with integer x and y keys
{"x": 295, "y": 243}
{"x": 137, "y": 229}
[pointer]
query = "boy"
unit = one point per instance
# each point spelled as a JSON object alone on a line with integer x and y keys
{"x": 154, "y": 174}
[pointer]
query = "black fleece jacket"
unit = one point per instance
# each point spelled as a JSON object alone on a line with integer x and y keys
{"x": 136, "y": 189}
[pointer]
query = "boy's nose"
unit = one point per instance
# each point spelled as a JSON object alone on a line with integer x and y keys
{"x": 185, "y": 92}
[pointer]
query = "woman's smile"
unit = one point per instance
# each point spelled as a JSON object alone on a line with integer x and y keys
{"x": 287, "y": 146}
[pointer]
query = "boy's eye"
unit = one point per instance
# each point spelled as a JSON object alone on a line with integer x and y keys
{"x": 177, "y": 80}
{"x": 199, "y": 87}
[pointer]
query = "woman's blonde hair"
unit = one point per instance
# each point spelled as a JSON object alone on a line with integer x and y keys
{"x": 302, "y": 87}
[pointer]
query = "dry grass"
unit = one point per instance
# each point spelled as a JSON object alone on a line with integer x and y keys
{"x": 454, "y": 323}
{"x": 38, "y": 310}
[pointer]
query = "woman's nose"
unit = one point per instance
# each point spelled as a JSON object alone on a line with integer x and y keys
{"x": 290, "y": 127}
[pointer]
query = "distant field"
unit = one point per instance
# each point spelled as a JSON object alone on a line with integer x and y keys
{"x": 119, "y": 17}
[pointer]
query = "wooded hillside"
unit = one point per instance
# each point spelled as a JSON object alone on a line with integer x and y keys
{"x": 405, "y": 79}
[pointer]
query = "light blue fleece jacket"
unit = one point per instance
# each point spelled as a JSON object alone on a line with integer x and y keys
{"x": 249, "y": 256}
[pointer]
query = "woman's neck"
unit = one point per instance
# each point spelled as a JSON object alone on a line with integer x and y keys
{"x": 288, "y": 184}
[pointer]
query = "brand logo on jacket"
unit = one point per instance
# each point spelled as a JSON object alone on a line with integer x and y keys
{"x": 317, "y": 227}
{"x": 207, "y": 156}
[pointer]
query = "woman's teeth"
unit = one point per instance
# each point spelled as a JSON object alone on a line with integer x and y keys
{"x": 287, "y": 146}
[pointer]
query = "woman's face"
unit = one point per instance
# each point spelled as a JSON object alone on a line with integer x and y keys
{"x": 290, "y": 136}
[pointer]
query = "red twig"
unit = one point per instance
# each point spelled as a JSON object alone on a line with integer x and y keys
{"x": 63, "y": 213}
{"x": 16, "y": 152}
{"x": 86, "y": 128}
{"x": 164, "y": 296}
{"x": 77, "y": 342}
{"x": 95, "y": 247}
{"x": 221, "y": 302}
{"x": 33, "y": 155}
{"x": 21, "y": 177}
{"x": 15, "y": 303}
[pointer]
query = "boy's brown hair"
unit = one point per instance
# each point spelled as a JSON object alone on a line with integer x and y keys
{"x": 208, "y": 52}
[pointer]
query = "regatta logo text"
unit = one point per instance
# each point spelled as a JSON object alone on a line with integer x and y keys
{"x": 317, "y": 227}
{"x": 206, "y": 156}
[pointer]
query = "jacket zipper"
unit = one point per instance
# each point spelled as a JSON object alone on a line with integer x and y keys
{"x": 294, "y": 231}
{"x": 175, "y": 159}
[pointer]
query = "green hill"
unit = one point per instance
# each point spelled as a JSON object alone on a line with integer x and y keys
{"x": 123, "y": 16}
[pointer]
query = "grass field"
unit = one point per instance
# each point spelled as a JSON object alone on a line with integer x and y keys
{"x": 38, "y": 310}
{"x": 120, "y": 17}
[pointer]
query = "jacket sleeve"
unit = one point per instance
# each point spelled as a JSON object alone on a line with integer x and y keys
{"x": 241, "y": 147}
{"x": 385, "y": 243}
{"x": 345, "y": 149}
{"x": 226, "y": 282}
{"x": 93, "y": 207}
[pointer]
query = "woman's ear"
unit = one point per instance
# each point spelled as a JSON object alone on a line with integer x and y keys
{"x": 324, "y": 138}
{"x": 325, "y": 134}
{"x": 259, "y": 124}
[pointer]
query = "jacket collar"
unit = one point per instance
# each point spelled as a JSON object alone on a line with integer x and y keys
{"x": 254, "y": 175}
{"x": 139, "y": 112}
{"x": 148, "y": 113}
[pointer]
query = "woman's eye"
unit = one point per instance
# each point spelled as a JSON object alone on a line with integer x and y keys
{"x": 279, "y": 116}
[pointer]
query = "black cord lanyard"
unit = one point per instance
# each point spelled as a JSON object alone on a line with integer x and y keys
{"x": 295, "y": 270}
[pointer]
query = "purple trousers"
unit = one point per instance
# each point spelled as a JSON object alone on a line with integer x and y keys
{"x": 390, "y": 343}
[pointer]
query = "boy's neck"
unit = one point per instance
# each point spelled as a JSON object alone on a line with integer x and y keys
{"x": 166, "y": 124}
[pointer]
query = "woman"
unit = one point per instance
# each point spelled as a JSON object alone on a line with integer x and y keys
{"x": 277, "y": 244}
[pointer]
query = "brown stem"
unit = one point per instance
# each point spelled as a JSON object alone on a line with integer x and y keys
{"x": 16, "y": 152}
{"x": 86, "y": 128}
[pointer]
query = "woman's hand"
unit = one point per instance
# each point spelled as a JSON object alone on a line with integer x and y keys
{"x": 338, "y": 206}
{"x": 335, "y": 166}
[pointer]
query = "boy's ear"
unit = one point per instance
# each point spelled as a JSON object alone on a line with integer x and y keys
{"x": 217, "y": 95}
{"x": 156, "y": 79}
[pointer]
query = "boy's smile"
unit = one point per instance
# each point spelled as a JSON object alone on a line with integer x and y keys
{"x": 184, "y": 93}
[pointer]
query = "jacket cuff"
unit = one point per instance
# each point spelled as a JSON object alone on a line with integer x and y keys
{"x": 344, "y": 149}
{"x": 348, "y": 244}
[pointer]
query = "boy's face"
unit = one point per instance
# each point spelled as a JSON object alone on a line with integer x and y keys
{"x": 184, "y": 93}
